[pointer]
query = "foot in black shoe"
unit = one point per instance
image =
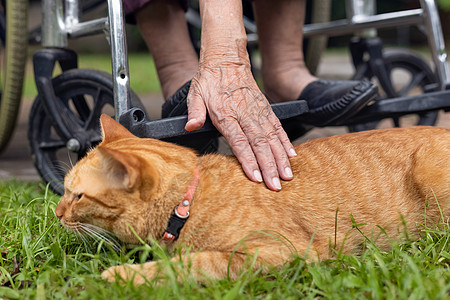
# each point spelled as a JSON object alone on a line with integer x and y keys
{"x": 176, "y": 105}
{"x": 333, "y": 101}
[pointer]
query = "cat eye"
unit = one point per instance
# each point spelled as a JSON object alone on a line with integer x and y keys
{"x": 79, "y": 196}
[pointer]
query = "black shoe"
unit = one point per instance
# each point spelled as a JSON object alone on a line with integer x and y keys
{"x": 176, "y": 105}
{"x": 333, "y": 101}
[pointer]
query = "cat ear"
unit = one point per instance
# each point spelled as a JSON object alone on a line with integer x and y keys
{"x": 112, "y": 130}
{"x": 122, "y": 169}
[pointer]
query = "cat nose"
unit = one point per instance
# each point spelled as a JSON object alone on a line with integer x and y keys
{"x": 59, "y": 216}
{"x": 59, "y": 211}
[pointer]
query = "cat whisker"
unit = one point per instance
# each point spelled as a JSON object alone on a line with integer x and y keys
{"x": 64, "y": 166}
{"x": 98, "y": 230}
{"x": 101, "y": 234}
{"x": 83, "y": 238}
{"x": 84, "y": 231}
{"x": 70, "y": 160}
{"x": 93, "y": 233}
{"x": 58, "y": 169}
{"x": 78, "y": 235}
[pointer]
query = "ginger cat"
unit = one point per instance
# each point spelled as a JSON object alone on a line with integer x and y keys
{"x": 376, "y": 177}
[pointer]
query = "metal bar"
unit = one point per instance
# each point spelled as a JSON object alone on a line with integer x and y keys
{"x": 361, "y": 8}
{"x": 436, "y": 41}
{"x": 357, "y": 23}
{"x": 252, "y": 38}
{"x": 88, "y": 28}
{"x": 71, "y": 13}
{"x": 119, "y": 58}
{"x": 53, "y": 27}
{"x": 250, "y": 27}
{"x": 193, "y": 18}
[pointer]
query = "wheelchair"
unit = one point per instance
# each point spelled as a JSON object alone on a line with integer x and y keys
{"x": 64, "y": 115}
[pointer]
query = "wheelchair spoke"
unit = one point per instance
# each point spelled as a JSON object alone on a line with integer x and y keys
{"x": 415, "y": 82}
{"x": 81, "y": 107}
{"x": 71, "y": 120}
{"x": 99, "y": 103}
{"x": 52, "y": 145}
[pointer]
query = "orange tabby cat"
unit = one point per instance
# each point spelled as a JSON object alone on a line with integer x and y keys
{"x": 376, "y": 177}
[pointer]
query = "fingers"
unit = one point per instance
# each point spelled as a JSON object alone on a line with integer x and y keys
{"x": 283, "y": 137}
{"x": 280, "y": 155}
{"x": 270, "y": 152}
{"x": 242, "y": 150}
{"x": 259, "y": 149}
{"x": 196, "y": 111}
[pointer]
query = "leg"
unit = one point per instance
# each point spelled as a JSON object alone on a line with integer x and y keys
{"x": 280, "y": 31}
{"x": 285, "y": 76}
{"x": 207, "y": 264}
{"x": 164, "y": 29}
{"x": 213, "y": 264}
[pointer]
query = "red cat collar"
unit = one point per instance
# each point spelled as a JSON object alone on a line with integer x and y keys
{"x": 181, "y": 212}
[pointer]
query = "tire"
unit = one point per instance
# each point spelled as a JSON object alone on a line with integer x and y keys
{"x": 83, "y": 95}
{"x": 418, "y": 75}
{"x": 14, "y": 29}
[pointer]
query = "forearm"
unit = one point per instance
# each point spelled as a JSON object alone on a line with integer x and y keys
{"x": 223, "y": 32}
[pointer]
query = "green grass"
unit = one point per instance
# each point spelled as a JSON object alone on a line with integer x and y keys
{"x": 143, "y": 77}
{"x": 41, "y": 260}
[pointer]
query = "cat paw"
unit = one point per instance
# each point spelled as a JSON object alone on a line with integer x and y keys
{"x": 124, "y": 274}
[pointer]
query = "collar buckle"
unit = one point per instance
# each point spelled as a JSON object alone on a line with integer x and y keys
{"x": 181, "y": 212}
{"x": 175, "y": 211}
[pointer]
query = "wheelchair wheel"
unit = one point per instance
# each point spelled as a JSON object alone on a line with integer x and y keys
{"x": 84, "y": 95}
{"x": 410, "y": 75}
{"x": 13, "y": 53}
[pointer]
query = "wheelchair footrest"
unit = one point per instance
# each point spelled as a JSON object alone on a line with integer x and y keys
{"x": 395, "y": 107}
{"x": 135, "y": 121}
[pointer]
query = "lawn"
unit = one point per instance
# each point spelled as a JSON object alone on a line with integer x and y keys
{"x": 41, "y": 260}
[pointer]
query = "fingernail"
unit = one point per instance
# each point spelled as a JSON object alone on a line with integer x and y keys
{"x": 257, "y": 175}
{"x": 188, "y": 125}
{"x": 292, "y": 152}
{"x": 276, "y": 182}
{"x": 191, "y": 121}
{"x": 289, "y": 172}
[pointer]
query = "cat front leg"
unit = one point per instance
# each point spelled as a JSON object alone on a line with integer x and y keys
{"x": 138, "y": 273}
{"x": 200, "y": 265}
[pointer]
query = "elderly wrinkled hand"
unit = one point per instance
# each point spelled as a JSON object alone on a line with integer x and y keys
{"x": 239, "y": 110}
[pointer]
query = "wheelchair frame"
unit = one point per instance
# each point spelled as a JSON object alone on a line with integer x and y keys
{"x": 61, "y": 22}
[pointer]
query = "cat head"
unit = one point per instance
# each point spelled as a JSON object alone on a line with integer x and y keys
{"x": 126, "y": 185}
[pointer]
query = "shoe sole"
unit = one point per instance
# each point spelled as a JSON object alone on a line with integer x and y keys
{"x": 352, "y": 109}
